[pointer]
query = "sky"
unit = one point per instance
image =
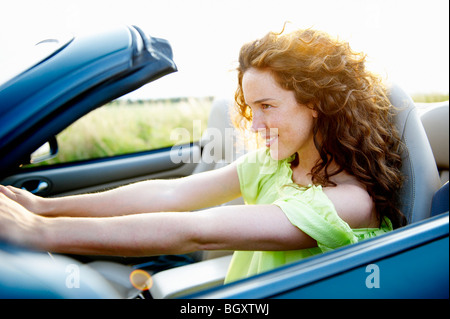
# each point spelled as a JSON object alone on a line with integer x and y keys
{"x": 407, "y": 41}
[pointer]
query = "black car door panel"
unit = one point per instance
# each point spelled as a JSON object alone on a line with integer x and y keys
{"x": 101, "y": 174}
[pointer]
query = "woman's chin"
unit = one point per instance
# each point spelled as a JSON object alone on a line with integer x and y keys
{"x": 274, "y": 152}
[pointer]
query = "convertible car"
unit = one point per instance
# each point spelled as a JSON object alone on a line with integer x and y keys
{"x": 83, "y": 73}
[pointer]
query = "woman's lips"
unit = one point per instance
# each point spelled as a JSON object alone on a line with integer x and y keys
{"x": 270, "y": 140}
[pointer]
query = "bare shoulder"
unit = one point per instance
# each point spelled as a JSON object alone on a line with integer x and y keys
{"x": 352, "y": 202}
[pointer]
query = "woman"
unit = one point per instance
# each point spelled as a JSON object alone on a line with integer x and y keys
{"x": 327, "y": 176}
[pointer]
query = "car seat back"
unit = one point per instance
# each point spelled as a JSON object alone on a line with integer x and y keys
{"x": 220, "y": 142}
{"x": 435, "y": 120}
{"x": 440, "y": 201}
{"x": 419, "y": 167}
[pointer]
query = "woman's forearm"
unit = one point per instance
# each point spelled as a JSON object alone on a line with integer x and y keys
{"x": 133, "y": 235}
{"x": 142, "y": 197}
{"x": 190, "y": 193}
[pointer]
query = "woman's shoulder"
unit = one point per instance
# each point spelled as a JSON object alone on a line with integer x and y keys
{"x": 352, "y": 201}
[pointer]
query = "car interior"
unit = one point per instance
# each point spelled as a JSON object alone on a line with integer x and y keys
{"x": 424, "y": 131}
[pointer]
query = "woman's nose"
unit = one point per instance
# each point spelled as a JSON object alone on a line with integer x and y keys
{"x": 257, "y": 123}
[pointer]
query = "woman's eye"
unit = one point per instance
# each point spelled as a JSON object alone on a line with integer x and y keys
{"x": 266, "y": 106}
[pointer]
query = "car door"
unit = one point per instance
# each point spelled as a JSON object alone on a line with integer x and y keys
{"x": 77, "y": 80}
{"x": 119, "y": 143}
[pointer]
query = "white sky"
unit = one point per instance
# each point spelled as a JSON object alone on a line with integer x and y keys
{"x": 406, "y": 40}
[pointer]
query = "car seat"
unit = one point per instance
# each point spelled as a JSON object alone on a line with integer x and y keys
{"x": 419, "y": 166}
{"x": 440, "y": 202}
{"x": 220, "y": 142}
{"x": 435, "y": 120}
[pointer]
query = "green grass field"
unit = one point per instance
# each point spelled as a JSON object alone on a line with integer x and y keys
{"x": 430, "y": 98}
{"x": 122, "y": 127}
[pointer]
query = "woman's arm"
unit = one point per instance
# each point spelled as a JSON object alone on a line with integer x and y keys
{"x": 252, "y": 227}
{"x": 185, "y": 194}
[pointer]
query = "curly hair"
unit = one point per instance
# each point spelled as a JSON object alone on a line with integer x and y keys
{"x": 354, "y": 113}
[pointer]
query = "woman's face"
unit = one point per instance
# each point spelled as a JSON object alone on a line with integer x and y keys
{"x": 281, "y": 121}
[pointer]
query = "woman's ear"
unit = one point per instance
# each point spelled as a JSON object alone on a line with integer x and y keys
{"x": 312, "y": 106}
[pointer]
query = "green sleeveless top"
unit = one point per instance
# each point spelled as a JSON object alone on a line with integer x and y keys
{"x": 264, "y": 180}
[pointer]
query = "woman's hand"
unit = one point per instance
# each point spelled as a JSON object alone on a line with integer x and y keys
{"x": 17, "y": 224}
{"x": 29, "y": 201}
